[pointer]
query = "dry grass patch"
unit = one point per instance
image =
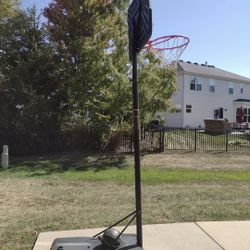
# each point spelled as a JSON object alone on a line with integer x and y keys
{"x": 61, "y": 193}
{"x": 32, "y": 206}
{"x": 198, "y": 160}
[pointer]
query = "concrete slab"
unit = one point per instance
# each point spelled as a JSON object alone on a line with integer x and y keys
{"x": 231, "y": 235}
{"x": 176, "y": 236}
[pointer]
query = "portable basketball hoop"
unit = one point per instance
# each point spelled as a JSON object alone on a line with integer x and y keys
{"x": 168, "y": 48}
{"x": 140, "y": 31}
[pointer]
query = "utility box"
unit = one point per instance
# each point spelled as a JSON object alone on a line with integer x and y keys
{"x": 5, "y": 157}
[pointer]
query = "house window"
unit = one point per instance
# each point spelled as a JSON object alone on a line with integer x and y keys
{"x": 198, "y": 87}
{"x": 218, "y": 113}
{"x": 221, "y": 113}
{"x": 247, "y": 115}
{"x": 211, "y": 85}
{"x": 212, "y": 88}
{"x": 192, "y": 84}
{"x": 241, "y": 89}
{"x": 195, "y": 84}
{"x": 188, "y": 108}
{"x": 230, "y": 88}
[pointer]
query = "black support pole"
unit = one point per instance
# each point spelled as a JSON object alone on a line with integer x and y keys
{"x": 136, "y": 130}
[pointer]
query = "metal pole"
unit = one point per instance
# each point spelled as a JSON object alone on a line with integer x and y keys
{"x": 136, "y": 125}
{"x": 163, "y": 141}
{"x": 195, "y": 140}
{"x": 227, "y": 141}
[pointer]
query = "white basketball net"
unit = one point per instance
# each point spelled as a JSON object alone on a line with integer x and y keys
{"x": 169, "y": 49}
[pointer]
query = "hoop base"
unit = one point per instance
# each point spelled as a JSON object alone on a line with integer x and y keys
{"x": 89, "y": 243}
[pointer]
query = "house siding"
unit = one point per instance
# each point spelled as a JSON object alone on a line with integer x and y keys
{"x": 205, "y": 102}
{"x": 175, "y": 119}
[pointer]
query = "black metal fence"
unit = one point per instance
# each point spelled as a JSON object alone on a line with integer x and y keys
{"x": 45, "y": 142}
{"x": 181, "y": 139}
{"x": 188, "y": 139}
{"x": 78, "y": 140}
{"x": 50, "y": 142}
{"x": 122, "y": 142}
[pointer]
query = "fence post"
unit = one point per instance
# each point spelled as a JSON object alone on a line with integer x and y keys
{"x": 161, "y": 141}
{"x": 227, "y": 141}
{"x": 5, "y": 157}
{"x": 195, "y": 139}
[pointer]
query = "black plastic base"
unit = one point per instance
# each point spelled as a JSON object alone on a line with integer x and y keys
{"x": 88, "y": 243}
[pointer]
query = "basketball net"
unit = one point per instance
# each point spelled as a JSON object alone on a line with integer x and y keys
{"x": 168, "y": 49}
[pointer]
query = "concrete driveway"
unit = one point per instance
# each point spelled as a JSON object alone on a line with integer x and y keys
{"x": 229, "y": 235}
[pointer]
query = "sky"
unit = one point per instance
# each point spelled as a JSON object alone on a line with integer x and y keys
{"x": 219, "y": 30}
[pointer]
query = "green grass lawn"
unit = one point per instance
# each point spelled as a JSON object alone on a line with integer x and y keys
{"x": 76, "y": 192}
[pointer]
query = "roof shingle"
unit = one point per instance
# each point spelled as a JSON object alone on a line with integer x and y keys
{"x": 210, "y": 71}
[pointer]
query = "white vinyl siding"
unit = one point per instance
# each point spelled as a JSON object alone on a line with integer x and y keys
{"x": 213, "y": 99}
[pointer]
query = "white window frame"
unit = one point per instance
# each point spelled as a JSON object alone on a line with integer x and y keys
{"x": 230, "y": 88}
{"x": 211, "y": 85}
{"x": 193, "y": 83}
{"x": 198, "y": 84}
{"x": 241, "y": 89}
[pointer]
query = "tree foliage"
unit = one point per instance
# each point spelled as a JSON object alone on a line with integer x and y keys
{"x": 8, "y": 8}
{"x": 92, "y": 41}
{"x": 75, "y": 69}
{"x": 157, "y": 85}
{"x": 33, "y": 97}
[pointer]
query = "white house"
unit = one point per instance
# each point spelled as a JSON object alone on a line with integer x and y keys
{"x": 205, "y": 91}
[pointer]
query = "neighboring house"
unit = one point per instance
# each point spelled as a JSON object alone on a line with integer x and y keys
{"x": 205, "y": 91}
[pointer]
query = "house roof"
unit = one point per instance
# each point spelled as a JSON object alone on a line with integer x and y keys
{"x": 242, "y": 100}
{"x": 210, "y": 70}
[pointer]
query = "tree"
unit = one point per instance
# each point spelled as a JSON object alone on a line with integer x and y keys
{"x": 33, "y": 95}
{"x": 8, "y": 8}
{"x": 157, "y": 85}
{"x": 92, "y": 41}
